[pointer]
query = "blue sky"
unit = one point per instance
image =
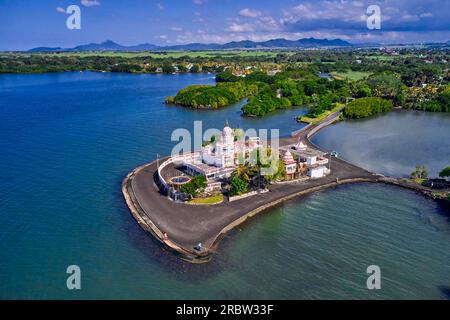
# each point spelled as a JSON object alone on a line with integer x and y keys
{"x": 27, "y": 24}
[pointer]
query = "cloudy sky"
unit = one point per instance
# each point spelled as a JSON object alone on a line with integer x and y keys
{"x": 26, "y": 24}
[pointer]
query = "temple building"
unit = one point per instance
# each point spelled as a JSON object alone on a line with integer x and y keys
{"x": 221, "y": 153}
{"x": 218, "y": 159}
{"x": 290, "y": 165}
{"x": 226, "y": 152}
{"x": 310, "y": 162}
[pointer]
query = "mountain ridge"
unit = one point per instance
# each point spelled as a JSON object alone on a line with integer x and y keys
{"x": 110, "y": 45}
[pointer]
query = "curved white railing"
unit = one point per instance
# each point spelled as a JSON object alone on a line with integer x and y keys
{"x": 193, "y": 156}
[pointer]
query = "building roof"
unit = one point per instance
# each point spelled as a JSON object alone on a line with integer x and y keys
{"x": 300, "y": 145}
{"x": 288, "y": 158}
{"x": 227, "y": 131}
{"x": 308, "y": 152}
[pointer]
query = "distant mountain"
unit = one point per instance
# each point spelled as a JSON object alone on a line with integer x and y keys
{"x": 46, "y": 49}
{"x": 109, "y": 45}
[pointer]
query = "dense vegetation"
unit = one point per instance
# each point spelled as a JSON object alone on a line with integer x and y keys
{"x": 247, "y": 176}
{"x": 420, "y": 173}
{"x": 366, "y": 107}
{"x": 238, "y": 186}
{"x": 207, "y": 96}
{"x": 445, "y": 173}
{"x": 319, "y": 93}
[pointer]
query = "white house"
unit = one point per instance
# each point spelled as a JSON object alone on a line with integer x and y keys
{"x": 317, "y": 172}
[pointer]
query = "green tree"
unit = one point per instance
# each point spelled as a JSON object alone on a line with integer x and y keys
{"x": 226, "y": 76}
{"x": 168, "y": 68}
{"x": 445, "y": 173}
{"x": 238, "y": 186}
{"x": 170, "y": 100}
{"x": 366, "y": 107}
{"x": 195, "y": 186}
{"x": 280, "y": 174}
{"x": 384, "y": 84}
{"x": 195, "y": 68}
{"x": 420, "y": 173}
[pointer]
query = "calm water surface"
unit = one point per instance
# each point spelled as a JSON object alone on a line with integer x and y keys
{"x": 392, "y": 143}
{"x": 68, "y": 140}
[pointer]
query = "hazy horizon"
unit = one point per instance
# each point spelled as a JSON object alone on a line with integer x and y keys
{"x": 31, "y": 24}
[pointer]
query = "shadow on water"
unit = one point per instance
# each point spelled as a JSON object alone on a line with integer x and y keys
{"x": 444, "y": 208}
{"x": 445, "y": 291}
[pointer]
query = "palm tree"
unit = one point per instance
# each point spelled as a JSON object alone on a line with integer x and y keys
{"x": 244, "y": 172}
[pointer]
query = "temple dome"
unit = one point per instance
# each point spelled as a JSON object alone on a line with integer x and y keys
{"x": 300, "y": 146}
{"x": 227, "y": 131}
{"x": 288, "y": 158}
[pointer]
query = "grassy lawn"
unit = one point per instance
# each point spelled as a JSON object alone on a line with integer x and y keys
{"x": 215, "y": 199}
{"x": 321, "y": 116}
{"x": 351, "y": 75}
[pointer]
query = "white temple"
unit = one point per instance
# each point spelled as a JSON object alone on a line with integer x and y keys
{"x": 224, "y": 153}
{"x": 221, "y": 153}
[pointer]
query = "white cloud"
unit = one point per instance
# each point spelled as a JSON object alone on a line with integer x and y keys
{"x": 176, "y": 29}
{"x": 90, "y": 3}
{"x": 199, "y": 2}
{"x": 268, "y": 23}
{"x": 160, "y": 6}
{"x": 199, "y": 20}
{"x": 322, "y": 10}
{"x": 409, "y": 17}
{"x": 249, "y": 13}
{"x": 60, "y": 10}
{"x": 426, "y": 15}
{"x": 236, "y": 27}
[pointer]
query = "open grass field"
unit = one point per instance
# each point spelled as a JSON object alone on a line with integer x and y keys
{"x": 351, "y": 75}
{"x": 380, "y": 58}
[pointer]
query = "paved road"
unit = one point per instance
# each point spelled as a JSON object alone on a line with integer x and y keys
{"x": 187, "y": 225}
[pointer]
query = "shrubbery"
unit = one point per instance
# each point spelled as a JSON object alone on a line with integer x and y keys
{"x": 196, "y": 185}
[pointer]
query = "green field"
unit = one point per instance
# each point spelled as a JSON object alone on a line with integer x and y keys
{"x": 351, "y": 75}
{"x": 381, "y": 58}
